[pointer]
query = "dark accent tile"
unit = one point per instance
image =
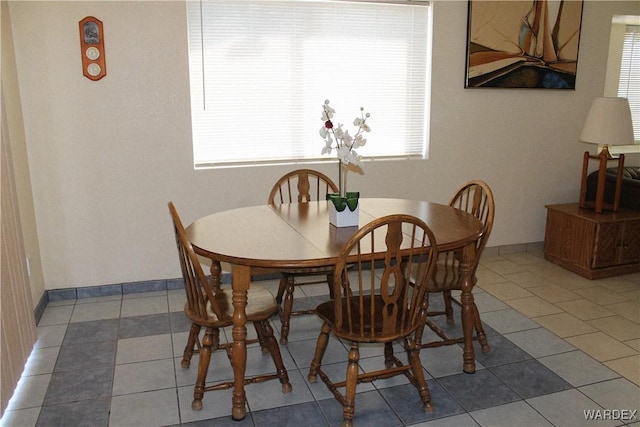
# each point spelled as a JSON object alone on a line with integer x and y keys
{"x": 86, "y": 413}
{"x": 175, "y": 284}
{"x": 436, "y": 303}
{"x": 225, "y": 279}
{"x": 490, "y": 332}
{"x": 93, "y": 331}
{"x": 502, "y": 352}
{"x": 147, "y": 286}
{"x": 179, "y": 322}
{"x": 371, "y": 410}
{"x": 405, "y": 402}
{"x": 304, "y": 414}
{"x": 222, "y": 422}
{"x": 61, "y": 294}
{"x": 478, "y": 391}
{"x": 99, "y": 291}
{"x": 86, "y": 356}
{"x": 530, "y": 378}
{"x": 142, "y": 326}
{"x": 79, "y": 384}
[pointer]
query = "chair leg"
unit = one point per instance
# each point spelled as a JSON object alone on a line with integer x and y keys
{"x": 287, "y": 308}
{"x": 281, "y": 288}
{"x": 413, "y": 353}
{"x": 349, "y": 405}
{"x": 261, "y": 338}
{"x": 264, "y": 329}
{"x": 210, "y": 337}
{"x": 321, "y": 346}
{"x": 330, "y": 283}
{"x": 482, "y": 337}
{"x": 191, "y": 345}
{"x": 448, "y": 307}
{"x": 388, "y": 355}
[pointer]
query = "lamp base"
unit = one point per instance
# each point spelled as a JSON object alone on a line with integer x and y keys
{"x": 599, "y": 204}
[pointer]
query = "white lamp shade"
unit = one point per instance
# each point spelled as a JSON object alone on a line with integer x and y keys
{"x": 608, "y": 122}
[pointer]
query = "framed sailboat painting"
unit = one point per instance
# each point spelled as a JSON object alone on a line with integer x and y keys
{"x": 523, "y": 44}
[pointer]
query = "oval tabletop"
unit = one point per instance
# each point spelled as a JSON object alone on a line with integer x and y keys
{"x": 291, "y": 236}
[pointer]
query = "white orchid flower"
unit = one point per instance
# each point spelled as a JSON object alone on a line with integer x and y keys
{"x": 327, "y": 112}
{"x": 347, "y": 138}
{"x": 354, "y": 158}
{"x": 343, "y": 154}
{"x": 359, "y": 141}
{"x": 362, "y": 123}
{"x": 328, "y": 146}
{"x": 326, "y": 115}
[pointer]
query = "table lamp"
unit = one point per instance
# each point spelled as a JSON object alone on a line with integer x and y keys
{"x": 608, "y": 123}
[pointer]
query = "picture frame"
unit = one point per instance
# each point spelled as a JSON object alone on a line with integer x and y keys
{"x": 523, "y": 44}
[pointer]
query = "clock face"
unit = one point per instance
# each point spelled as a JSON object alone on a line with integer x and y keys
{"x": 92, "y": 53}
{"x": 94, "y": 69}
{"x": 91, "y": 32}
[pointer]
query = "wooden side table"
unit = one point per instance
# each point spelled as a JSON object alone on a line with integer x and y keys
{"x": 594, "y": 245}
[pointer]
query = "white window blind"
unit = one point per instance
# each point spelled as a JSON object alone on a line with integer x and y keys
{"x": 629, "y": 83}
{"x": 261, "y": 70}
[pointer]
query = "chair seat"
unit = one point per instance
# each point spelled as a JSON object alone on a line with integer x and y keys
{"x": 260, "y": 306}
{"x": 381, "y": 332}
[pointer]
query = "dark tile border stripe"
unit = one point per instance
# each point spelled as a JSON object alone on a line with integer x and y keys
{"x": 121, "y": 289}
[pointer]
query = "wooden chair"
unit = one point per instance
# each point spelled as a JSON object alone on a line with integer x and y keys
{"x": 299, "y": 186}
{"x": 474, "y": 197}
{"x": 378, "y": 305}
{"x": 210, "y": 307}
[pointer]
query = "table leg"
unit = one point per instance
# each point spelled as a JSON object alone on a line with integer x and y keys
{"x": 466, "y": 300}
{"x": 241, "y": 276}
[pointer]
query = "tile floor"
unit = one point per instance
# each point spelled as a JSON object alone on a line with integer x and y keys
{"x": 561, "y": 345}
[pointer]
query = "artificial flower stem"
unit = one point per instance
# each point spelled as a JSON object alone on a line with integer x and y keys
{"x": 342, "y": 179}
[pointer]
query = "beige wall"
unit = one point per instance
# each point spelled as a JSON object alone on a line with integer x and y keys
{"x": 105, "y": 157}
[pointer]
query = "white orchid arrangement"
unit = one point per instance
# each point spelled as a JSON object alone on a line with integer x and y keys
{"x": 340, "y": 139}
{"x": 345, "y": 145}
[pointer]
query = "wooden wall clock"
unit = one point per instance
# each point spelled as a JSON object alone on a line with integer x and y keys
{"x": 94, "y": 64}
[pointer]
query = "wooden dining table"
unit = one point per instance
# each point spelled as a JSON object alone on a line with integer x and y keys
{"x": 291, "y": 237}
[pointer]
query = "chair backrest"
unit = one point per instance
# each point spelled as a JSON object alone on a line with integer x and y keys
{"x": 476, "y": 198}
{"x": 301, "y": 186}
{"x": 198, "y": 290}
{"x": 379, "y": 277}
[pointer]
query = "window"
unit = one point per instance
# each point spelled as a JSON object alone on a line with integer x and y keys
{"x": 629, "y": 82}
{"x": 260, "y": 71}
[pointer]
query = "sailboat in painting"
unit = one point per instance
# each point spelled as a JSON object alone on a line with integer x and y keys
{"x": 527, "y": 44}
